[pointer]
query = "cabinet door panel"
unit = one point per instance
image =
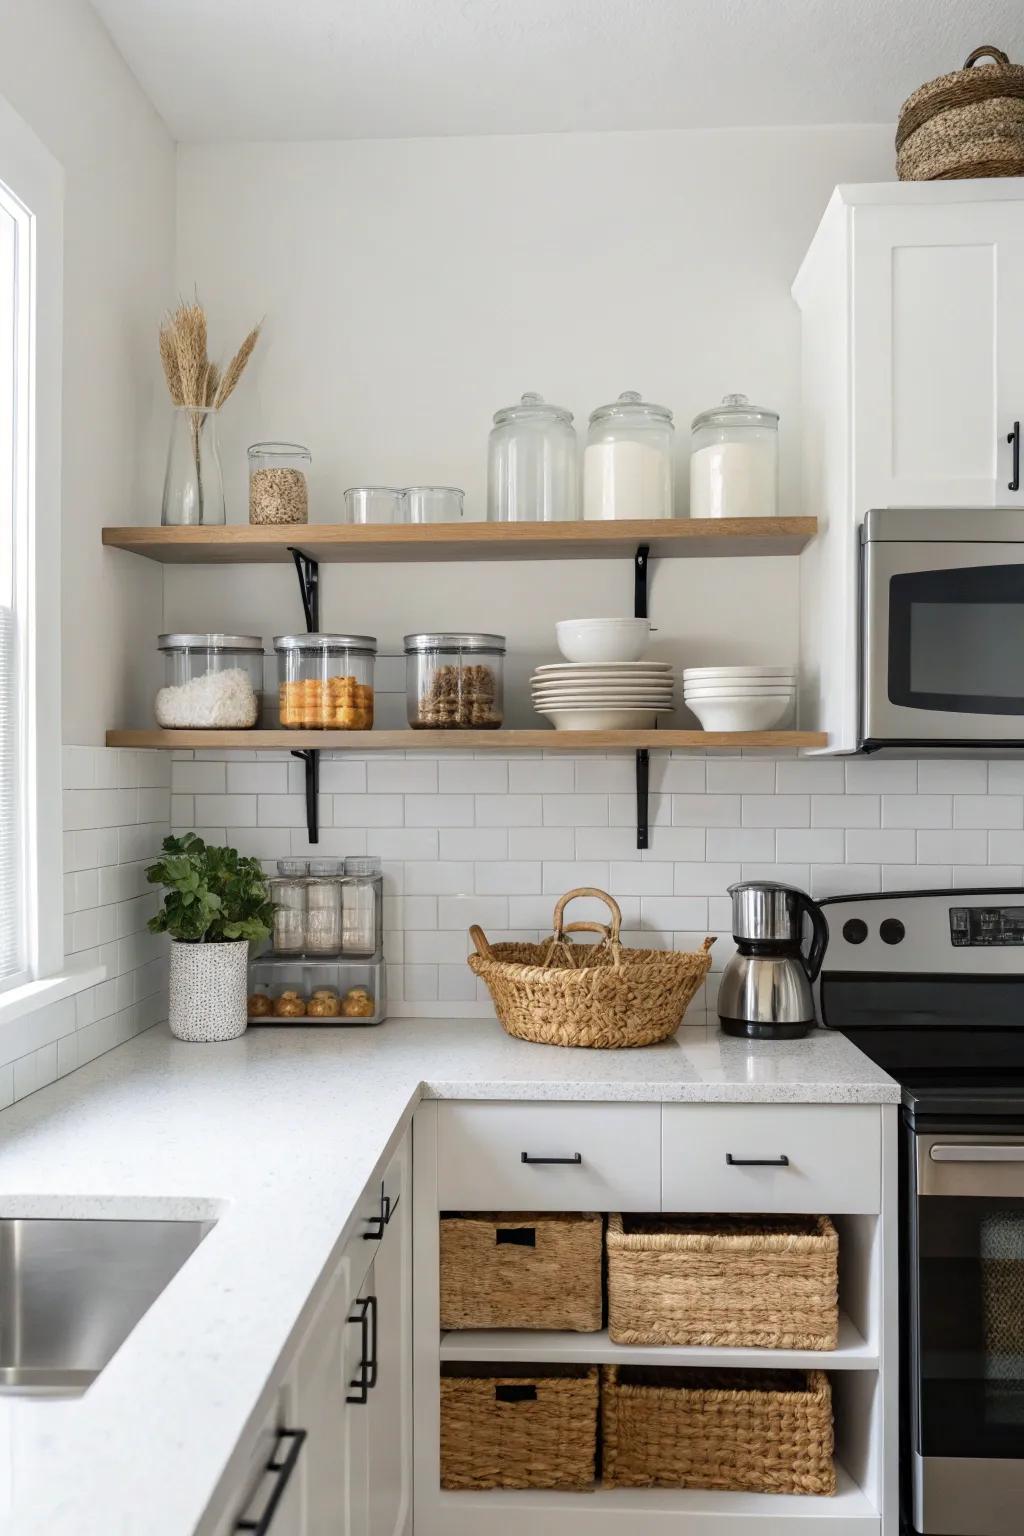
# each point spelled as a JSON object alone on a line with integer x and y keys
{"x": 390, "y": 1423}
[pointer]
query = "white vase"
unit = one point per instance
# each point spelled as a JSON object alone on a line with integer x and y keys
{"x": 208, "y": 990}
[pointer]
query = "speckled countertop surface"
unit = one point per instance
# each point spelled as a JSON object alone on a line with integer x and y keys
{"x": 276, "y": 1135}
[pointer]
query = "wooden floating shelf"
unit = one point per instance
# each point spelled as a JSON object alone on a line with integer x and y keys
{"x": 530, "y": 1345}
{"x": 333, "y": 542}
{"x": 494, "y": 741}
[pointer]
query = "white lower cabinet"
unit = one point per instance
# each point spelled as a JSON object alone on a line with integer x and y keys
{"x": 389, "y": 1420}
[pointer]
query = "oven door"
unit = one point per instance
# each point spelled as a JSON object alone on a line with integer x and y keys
{"x": 942, "y": 644}
{"x": 966, "y": 1253}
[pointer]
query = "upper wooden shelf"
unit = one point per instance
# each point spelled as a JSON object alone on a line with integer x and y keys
{"x": 243, "y": 544}
{"x": 497, "y": 741}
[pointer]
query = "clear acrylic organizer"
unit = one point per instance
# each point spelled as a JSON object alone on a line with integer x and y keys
{"x": 350, "y": 991}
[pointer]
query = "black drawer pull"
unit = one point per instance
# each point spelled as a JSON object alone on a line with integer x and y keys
{"x": 283, "y": 1470}
{"x": 1013, "y": 439}
{"x": 513, "y": 1394}
{"x": 366, "y": 1317}
{"x": 388, "y": 1207}
{"x": 576, "y": 1158}
{"x": 757, "y": 1162}
{"x": 516, "y": 1237}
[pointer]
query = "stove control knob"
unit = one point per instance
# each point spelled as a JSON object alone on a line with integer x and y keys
{"x": 855, "y": 930}
{"x": 892, "y": 931}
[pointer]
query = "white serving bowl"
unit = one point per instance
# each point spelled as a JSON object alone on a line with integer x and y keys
{"x": 741, "y": 691}
{"x": 601, "y": 719}
{"x": 601, "y": 640}
{"x": 724, "y": 672}
{"x": 762, "y": 714}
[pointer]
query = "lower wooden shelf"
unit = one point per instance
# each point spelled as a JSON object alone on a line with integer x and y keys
{"x": 529, "y": 1345}
{"x": 494, "y": 741}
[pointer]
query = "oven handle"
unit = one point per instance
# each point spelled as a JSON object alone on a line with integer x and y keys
{"x": 975, "y": 1153}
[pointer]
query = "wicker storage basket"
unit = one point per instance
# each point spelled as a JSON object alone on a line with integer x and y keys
{"x": 968, "y": 123}
{"x": 522, "y": 1271}
{"x": 531, "y": 1429}
{"x": 603, "y": 995}
{"x": 765, "y": 1282}
{"x": 748, "y": 1431}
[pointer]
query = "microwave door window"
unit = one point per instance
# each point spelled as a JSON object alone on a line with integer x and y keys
{"x": 956, "y": 640}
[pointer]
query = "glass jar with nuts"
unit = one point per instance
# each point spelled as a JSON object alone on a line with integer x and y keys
{"x": 454, "y": 681}
{"x": 278, "y": 487}
{"x": 325, "y": 682}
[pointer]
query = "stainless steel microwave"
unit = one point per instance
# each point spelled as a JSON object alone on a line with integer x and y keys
{"x": 942, "y": 628}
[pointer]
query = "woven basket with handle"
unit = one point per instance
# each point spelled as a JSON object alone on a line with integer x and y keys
{"x": 968, "y": 123}
{"x": 602, "y": 995}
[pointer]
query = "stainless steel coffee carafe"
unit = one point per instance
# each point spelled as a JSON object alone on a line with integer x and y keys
{"x": 766, "y": 987}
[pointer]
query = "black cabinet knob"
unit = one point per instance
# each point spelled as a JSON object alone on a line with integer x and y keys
{"x": 855, "y": 930}
{"x": 892, "y": 931}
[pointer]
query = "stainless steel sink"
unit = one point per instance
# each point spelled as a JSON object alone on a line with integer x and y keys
{"x": 72, "y": 1291}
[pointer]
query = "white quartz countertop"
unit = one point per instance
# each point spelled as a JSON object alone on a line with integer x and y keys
{"x": 276, "y": 1135}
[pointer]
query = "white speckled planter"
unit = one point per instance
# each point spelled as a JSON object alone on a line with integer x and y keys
{"x": 208, "y": 990}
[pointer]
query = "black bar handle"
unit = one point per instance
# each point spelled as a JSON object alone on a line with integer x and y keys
{"x": 283, "y": 1471}
{"x": 577, "y": 1157}
{"x": 366, "y": 1317}
{"x": 1013, "y": 438}
{"x": 757, "y": 1162}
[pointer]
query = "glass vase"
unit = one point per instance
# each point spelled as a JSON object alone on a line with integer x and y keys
{"x": 193, "y": 482}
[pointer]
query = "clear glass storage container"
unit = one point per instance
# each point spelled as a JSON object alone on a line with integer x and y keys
{"x": 627, "y": 465}
{"x": 531, "y": 464}
{"x": 454, "y": 682}
{"x": 325, "y": 682}
{"x": 374, "y": 504}
{"x": 432, "y": 504}
{"x": 323, "y": 915}
{"x": 362, "y": 904}
{"x": 211, "y": 682}
{"x": 278, "y": 484}
{"x": 288, "y": 894}
{"x": 308, "y": 992}
{"x": 734, "y": 461}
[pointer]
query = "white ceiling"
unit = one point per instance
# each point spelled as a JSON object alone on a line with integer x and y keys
{"x": 330, "y": 69}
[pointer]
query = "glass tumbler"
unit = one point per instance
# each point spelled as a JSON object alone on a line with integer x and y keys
{"x": 374, "y": 504}
{"x": 433, "y": 503}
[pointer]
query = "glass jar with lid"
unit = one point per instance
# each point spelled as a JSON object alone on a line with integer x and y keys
{"x": 362, "y": 906}
{"x": 627, "y": 465}
{"x": 454, "y": 681}
{"x": 288, "y": 894}
{"x": 324, "y": 907}
{"x": 278, "y": 487}
{"x": 211, "y": 682}
{"x": 734, "y": 461}
{"x": 325, "y": 682}
{"x": 531, "y": 464}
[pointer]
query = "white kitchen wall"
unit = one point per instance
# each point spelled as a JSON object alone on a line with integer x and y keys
{"x": 411, "y": 288}
{"x": 60, "y": 71}
{"x": 116, "y": 812}
{"x": 495, "y": 840}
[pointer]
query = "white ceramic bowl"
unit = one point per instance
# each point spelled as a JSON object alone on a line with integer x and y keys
{"x": 741, "y": 691}
{"x": 598, "y": 640}
{"x": 601, "y": 719}
{"x": 724, "y": 672}
{"x": 764, "y": 714}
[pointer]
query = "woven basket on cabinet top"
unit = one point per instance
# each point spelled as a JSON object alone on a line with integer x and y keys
{"x": 967, "y": 123}
{"x": 602, "y": 995}
{"x": 756, "y": 1282}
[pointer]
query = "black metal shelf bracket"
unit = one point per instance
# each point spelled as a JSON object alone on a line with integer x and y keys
{"x": 643, "y": 757}
{"x": 308, "y": 571}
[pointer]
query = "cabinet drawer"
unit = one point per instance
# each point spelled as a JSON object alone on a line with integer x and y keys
{"x": 711, "y": 1154}
{"x": 614, "y": 1153}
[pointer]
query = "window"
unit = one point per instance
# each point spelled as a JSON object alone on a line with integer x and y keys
{"x": 31, "y": 943}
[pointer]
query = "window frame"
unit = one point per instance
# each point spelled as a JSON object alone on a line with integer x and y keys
{"x": 36, "y": 181}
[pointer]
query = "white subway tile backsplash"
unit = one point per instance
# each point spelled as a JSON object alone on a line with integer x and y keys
{"x": 439, "y": 810}
{"x": 550, "y": 776}
{"x": 986, "y": 876}
{"x": 480, "y": 843}
{"x": 513, "y": 877}
{"x": 706, "y": 810}
{"x": 810, "y": 845}
{"x": 610, "y": 775}
{"x": 884, "y": 845}
{"x": 434, "y": 877}
{"x": 264, "y": 778}
{"x": 1006, "y": 777}
{"x": 234, "y": 810}
{"x": 916, "y": 877}
{"x": 703, "y": 880}
{"x": 687, "y": 843}
{"x": 673, "y": 912}
{"x": 732, "y": 843}
{"x": 877, "y": 776}
{"x": 200, "y": 778}
{"x": 597, "y": 843}
{"x": 776, "y": 811}
{"x": 473, "y": 777}
{"x": 676, "y": 775}
{"x": 630, "y": 879}
{"x": 844, "y": 879}
{"x": 956, "y": 776}
{"x": 575, "y": 810}
{"x": 359, "y": 810}
{"x": 402, "y": 842}
{"x": 740, "y": 776}
{"x": 559, "y": 877}
{"x": 1000, "y": 846}
{"x": 809, "y": 776}
{"x": 949, "y": 847}
{"x": 509, "y": 811}
{"x": 917, "y": 810}
{"x": 415, "y": 777}
{"x": 988, "y": 810}
{"x": 622, "y": 810}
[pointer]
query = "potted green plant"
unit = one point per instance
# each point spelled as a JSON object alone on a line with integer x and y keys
{"x": 215, "y": 904}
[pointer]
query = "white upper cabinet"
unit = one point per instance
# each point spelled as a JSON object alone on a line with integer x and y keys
{"x": 912, "y": 307}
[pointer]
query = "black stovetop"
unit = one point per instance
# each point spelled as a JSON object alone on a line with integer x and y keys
{"x": 971, "y": 1073}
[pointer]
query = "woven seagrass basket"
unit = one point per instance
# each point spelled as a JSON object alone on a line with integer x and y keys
{"x": 522, "y": 1271}
{"x": 762, "y": 1282}
{"x": 745, "y": 1431}
{"x": 531, "y": 1429}
{"x": 968, "y": 123}
{"x": 602, "y": 995}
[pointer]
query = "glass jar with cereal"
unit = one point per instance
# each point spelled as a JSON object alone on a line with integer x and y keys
{"x": 454, "y": 682}
{"x": 325, "y": 682}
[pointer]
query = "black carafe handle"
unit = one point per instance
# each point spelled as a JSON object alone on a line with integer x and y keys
{"x": 819, "y": 937}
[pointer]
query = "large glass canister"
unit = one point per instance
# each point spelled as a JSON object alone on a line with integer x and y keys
{"x": 324, "y": 907}
{"x": 531, "y": 464}
{"x": 454, "y": 681}
{"x": 734, "y": 461}
{"x": 325, "y": 682}
{"x": 278, "y": 486}
{"x": 362, "y": 906}
{"x": 627, "y": 465}
{"x": 288, "y": 894}
{"x": 211, "y": 682}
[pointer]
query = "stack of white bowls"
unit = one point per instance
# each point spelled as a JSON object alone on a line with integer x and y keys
{"x": 604, "y": 684}
{"x": 740, "y": 698}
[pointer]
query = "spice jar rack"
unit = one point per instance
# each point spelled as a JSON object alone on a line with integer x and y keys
{"x": 326, "y": 908}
